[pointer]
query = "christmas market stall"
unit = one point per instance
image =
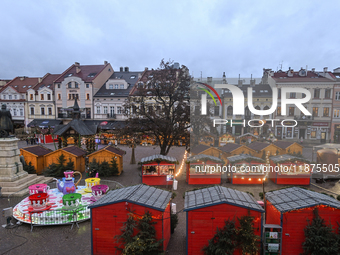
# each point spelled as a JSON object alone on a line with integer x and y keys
{"x": 225, "y": 138}
{"x": 106, "y": 154}
{"x": 34, "y": 155}
{"x": 232, "y": 149}
{"x": 246, "y": 169}
{"x": 208, "y": 140}
{"x": 290, "y": 147}
{"x": 158, "y": 169}
{"x": 291, "y": 170}
{"x": 204, "y": 169}
{"x": 264, "y": 149}
{"x": 109, "y": 214}
{"x": 74, "y": 153}
{"x": 207, "y": 209}
{"x": 247, "y": 138}
{"x": 206, "y": 150}
{"x": 292, "y": 209}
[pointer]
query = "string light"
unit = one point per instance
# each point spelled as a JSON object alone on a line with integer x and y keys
{"x": 182, "y": 164}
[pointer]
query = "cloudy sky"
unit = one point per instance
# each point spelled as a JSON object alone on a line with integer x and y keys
{"x": 212, "y": 37}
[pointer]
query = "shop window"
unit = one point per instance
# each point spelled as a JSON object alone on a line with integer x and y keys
{"x": 313, "y": 134}
{"x": 289, "y": 132}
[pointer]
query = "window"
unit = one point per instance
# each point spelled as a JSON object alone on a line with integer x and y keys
{"x": 9, "y": 97}
{"x": 69, "y": 96}
{"x": 48, "y": 96}
{"x": 21, "y": 112}
{"x": 119, "y": 110}
{"x": 315, "y": 111}
{"x": 87, "y": 96}
{"x": 337, "y": 95}
{"x": 316, "y": 93}
{"x": 112, "y": 110}
{"x": 292, "y": 95}
{"x": 291, "y": 111}
{"x": 216, "y": 110}
{"x": 58, "y": 86}
{"x": 59, "y": 96}
{"x": 98, "y": 109}
{"x": 278, "y": 111}
{"x": 110, "y": 86}
{"x": 23, "y": 96}
{"x": 121, "y": 86}
{"x": 14, "y": 112}
{"x": 31, "y": 96}
{"x": 87, "y": 85}
{"x": 49, "y": 111}
{"x": 336, "y": 113}
{"x": 279, "y": 94}
{"x": 313, "y": 134}
{"x": 32, "y": 110}
{"x": 76, "y": 85}
{"x": 41, "y": 96}
{"x": 326, "y": 111}
{"x": 15, "y": 96}
{"x": 105, "y": 109}
{"x": 42, "y": 110}
{"x": 116, "y": 86}
{"x": 327, "y": 93}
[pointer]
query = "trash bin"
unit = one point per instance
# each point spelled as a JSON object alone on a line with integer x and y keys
{"x": 173, "y": 207}
{"x": 175, "y": 184}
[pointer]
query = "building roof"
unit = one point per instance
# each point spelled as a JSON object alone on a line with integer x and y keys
{"x": 21, "y": 84}
{"x": 284, "y": 144}
{"x": 244, "y": 157}
{"x": 87, "y": 72}
{"x": 258, "y": 146}
{"x": 112, "y": 149}
{"x": 199, "y": 148}
{"x": 287, "y": 158}
{"x": 75, "y": 150}
{"x": 229, "y": 147}
{"x": 106, "y": 124}
{"x": 37, "y": 150}
{"x": 259, "y": 91}
{"x": 140, "y": 194}
{"x": 130, "y": 77}
{"x": 47, "y": 81}
{"x": 77, "y": 125}
{"x": 158, "y": 158}
{"x": 297, "y": 198}
{"x": 282, "y": 77}
{"x": 43, "y": 123}
{"x": 247, "y": 134}
{"x": 218, "y": 195}
{"x": 203, "y": 157}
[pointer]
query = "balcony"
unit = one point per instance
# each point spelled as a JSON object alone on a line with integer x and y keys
{"x": 111, "y": 116}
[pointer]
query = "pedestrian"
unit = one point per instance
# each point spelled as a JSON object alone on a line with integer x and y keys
{"x": 301, "y": 139}
{"x": 27, "y": 140}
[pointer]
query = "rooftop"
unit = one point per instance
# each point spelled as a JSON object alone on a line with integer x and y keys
{"x": 158, "y": 158}
{"x": 37, "y": 150}
{"x": 202, "y": 157}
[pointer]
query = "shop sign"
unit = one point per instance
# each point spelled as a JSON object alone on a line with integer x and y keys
{"x": 320, "y": 124}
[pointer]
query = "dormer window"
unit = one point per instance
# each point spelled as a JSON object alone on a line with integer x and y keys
{"x": 116, "y": 86}
{"x": 110, "y": 86}
{"x": 4, "y": 96}
{"x": 121, "y": 86}
{"x": 15, "y": 96}
{"x": 9, "y": 97}
{"x": 24, "y": 86}
{"x": 92, "y": 75}
{"x": 69, "y": 75}
{"x": 31, "y": 96}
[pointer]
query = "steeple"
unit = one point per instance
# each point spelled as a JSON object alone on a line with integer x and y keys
{"x": 76, "y": 110}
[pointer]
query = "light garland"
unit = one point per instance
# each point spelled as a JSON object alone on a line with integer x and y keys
{"x": 182, "y": 164}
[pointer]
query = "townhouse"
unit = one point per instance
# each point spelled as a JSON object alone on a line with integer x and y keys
{"x": 335, "y": 124}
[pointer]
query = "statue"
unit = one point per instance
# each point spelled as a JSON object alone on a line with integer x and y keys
{"x": 6, "y": 123}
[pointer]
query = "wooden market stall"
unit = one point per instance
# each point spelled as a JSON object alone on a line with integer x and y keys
{"x": 207, "y": 150}
{"x": 208, "y": 140}
{"x": 247, "y": 138}
{"x": 204, "y": 169}
{"x": 35, "y": 155}
{"x": 289, "y": 147}
{"x": 207, "y": 209}
{"x": 264, "y": 149}
{"x": 292, "y": 209}
{"x": 106, "y": 154}
{"x": 76, "y": 154}
{"x": 291, "y": 170}
{"x": 158, "y": 169}
{"x": 246, "y": 169}
{"x": 109, "y": 213}
{"x": 232, "y": 149}
{"x": 225, "y": 138}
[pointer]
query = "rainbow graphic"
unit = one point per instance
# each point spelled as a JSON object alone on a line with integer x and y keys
{"x": 209, "y": 93}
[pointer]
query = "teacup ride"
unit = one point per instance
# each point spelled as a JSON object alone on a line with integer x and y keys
{"x": 71, "y": 201}
{"x": 38, "y": 188}
{"x": 90, "y": 182}
{"x": 66, "y": 185}
{"x": 98, "y": 191}
{"x": 38, "y": 202}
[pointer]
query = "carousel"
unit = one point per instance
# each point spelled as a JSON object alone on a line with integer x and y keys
{"x": 66, "y": 204}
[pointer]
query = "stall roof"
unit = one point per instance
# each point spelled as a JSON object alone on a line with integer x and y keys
{"x": 44, "y": 123}
{"x": 217, "y": 195}
{"x": 245, "y": 157}
{"x": 334, "y": 146}
{"x": 203, "y": 157}
{"x": 158, "y": 158}
{"x": 229, "y": 147}
{"x": 199, "y": 148}
{"x": 247, "y": 134}
{"x": 258, "y": 146}
{"x": 297, "y": 198}
{"x": 75, "y": 150}
{"x": 139, "y": 194}
{"x": 37, "y": 150}
{"x": 106, "y": 124}
{"x": 284, "y": 144}
{"x": 77, "y": 125}
{"x": 287, "y": 157}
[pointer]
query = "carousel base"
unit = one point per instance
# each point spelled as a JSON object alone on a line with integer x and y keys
{"x": 54, "y": 213}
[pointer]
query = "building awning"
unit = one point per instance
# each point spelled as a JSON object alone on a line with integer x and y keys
{"x": 44, "y": 123}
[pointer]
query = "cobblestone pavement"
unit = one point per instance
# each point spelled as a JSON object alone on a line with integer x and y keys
{"x": 64, "y": 240}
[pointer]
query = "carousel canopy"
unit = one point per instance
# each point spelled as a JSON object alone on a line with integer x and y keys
{"x": 287, "y": 157}
{"x": 202, "y": 157}
{"x": 218, "y": 195}
{"x": 297, "y": 198}
{"x": 141, "y": 194}
{"x": 244, "y": 157}
{"x": 158, "y": 158}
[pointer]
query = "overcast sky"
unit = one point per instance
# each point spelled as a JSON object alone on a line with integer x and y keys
{"x": 236, "y": 37}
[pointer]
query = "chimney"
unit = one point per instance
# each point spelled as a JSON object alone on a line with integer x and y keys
{"x": 78, "y": 69}
{"x": 313, "y": 69}
{"x": 146, "y": 68}
{"x": 121, "y": 69}
{"x": 126, "y": 69}
{"x": 76, "y": 64}
{"x": 224, "y": 79}
{"x": 22, "y": 78}
{"x": 105, "y": 62}
{"x": 325, "y": 69}
{"x": 239, "y": 80}
{"x": 39, "y": 80}
{"x": 209, "y": 79}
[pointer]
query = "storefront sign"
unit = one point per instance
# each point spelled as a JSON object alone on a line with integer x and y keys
{"x": 320, "y": 124}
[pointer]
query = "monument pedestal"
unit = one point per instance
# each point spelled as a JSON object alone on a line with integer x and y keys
{"x": 11, "y": 168}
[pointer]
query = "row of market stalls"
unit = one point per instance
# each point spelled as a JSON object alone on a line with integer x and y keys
{"x": 280, "y": 230}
